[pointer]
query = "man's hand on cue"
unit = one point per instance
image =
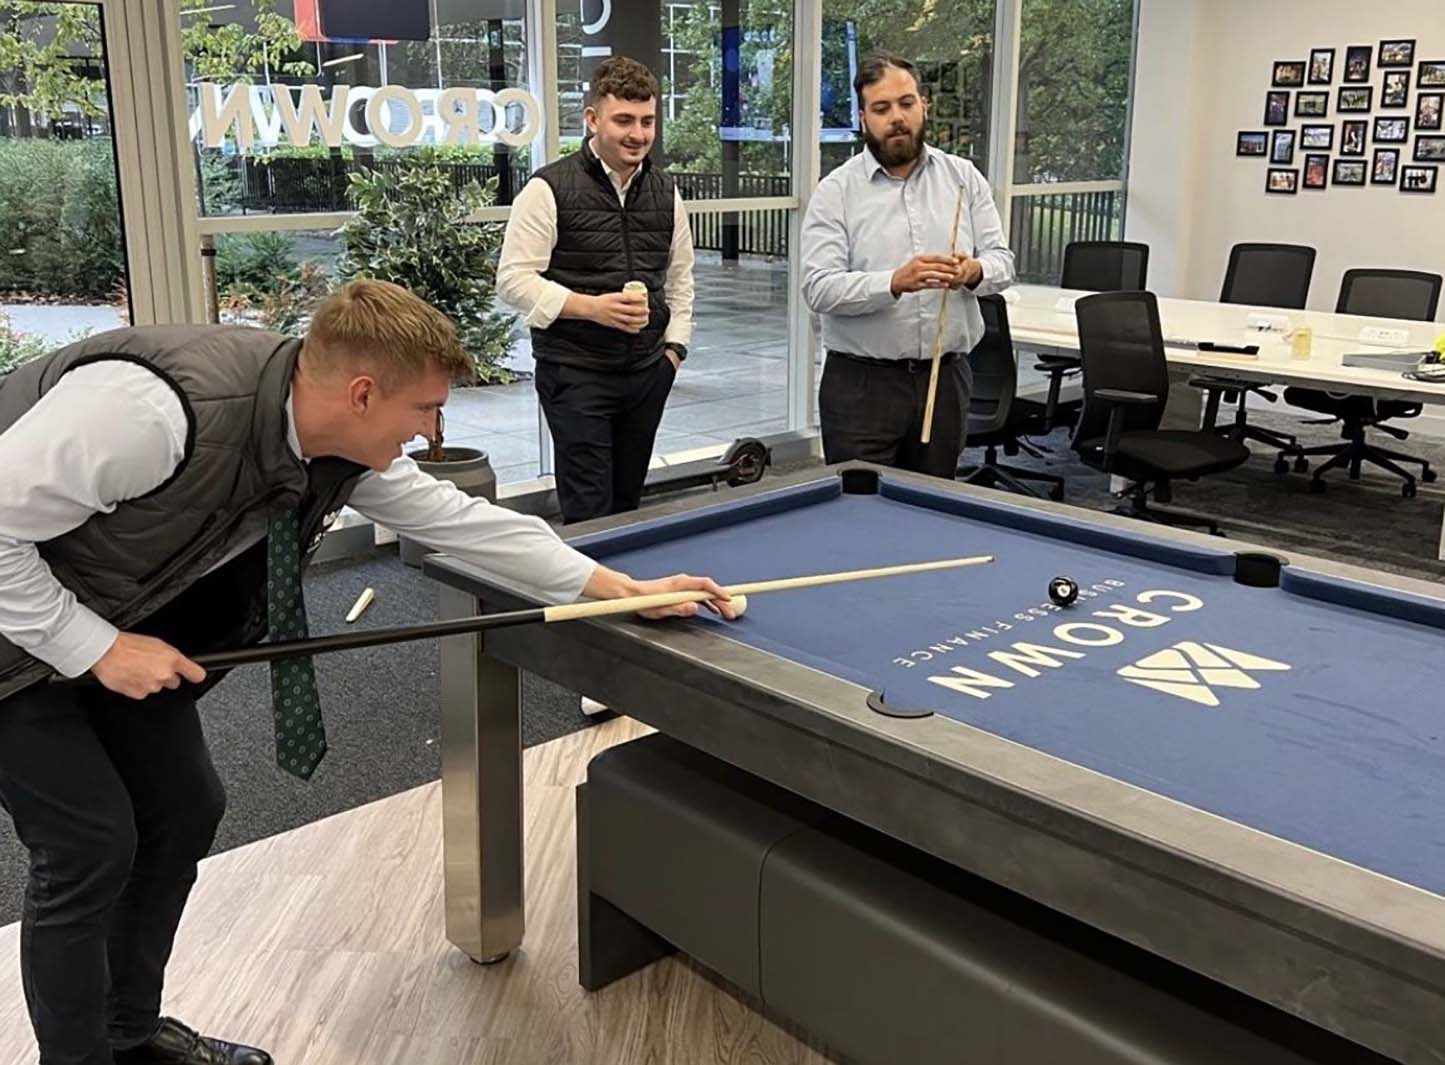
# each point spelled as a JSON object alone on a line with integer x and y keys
{"x": 924, "y": 272}
{"x": 138, "y": 666}
{"x": 609, "y": 584}
{"x": 970, "y": 272}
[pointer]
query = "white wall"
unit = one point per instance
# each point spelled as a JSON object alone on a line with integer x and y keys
{"x": 1204, "y": 67}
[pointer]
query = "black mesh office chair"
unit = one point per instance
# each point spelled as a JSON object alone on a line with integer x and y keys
{"x": 1262, "y": 275}
{"x": 1106, "y": 266}
{"x": 1405, "y": 294}
{"x": 1269, "y": 275}
{"x": 997, "y": 418}
{"x": 1126, "y": 386}
{"x": 1092, "y": 266}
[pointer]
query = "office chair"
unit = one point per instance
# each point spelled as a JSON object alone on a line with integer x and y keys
{"x": 1106, "y": 266}
{"x": 1403, "y": 294}
{"x": 1093, "y": 266}
{"x": 996, "y": 416}
{"x": 1126, "y": 387}
{"x": 1263, "y": 275}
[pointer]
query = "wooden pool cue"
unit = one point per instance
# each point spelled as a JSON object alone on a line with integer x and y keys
{"x": 938, "y": 334}
{"x": 594, "y": 608}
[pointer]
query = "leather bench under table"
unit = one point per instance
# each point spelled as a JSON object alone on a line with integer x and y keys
{"x": 881, "y": 952}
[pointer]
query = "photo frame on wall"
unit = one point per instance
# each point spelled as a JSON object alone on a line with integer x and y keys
{"x": 1352, "y": 136}
{"x": 1355, "y": 98}
{"x": 1317, "y": 138}
{"x": 1429, "y": 107}
{"x": 1357, "y": 62}
{"x": 1386, "y": 166}
{"x": 1276, "y": 109}
{"x": 1432, "y": 74}
{"x": 1419, "y": 178}
{"x": 1391, "y": 130}
{"x": 1317, "y": 168}
{"x": 1281, "y": 147}
{"x": 1288, "y": 73}
{"x": 1430, "y": 149}
{"x": 1282, "y": 181}
{"x": 1322, "y": 66}
{"x": 1396, "y": 90}
{"x": 1251, "y": 142}
{"x": 1349, "y": 172}
{"x": 1396, "y": 53}
{"x": 1311, "y": 104}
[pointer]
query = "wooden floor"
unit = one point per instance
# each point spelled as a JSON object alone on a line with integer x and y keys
{"x": 325, "y": 945}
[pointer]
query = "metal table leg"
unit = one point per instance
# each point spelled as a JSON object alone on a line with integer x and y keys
{"x": 481, "y": 739}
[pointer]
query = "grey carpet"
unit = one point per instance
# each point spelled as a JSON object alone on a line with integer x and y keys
{"x": 382, "y": 722}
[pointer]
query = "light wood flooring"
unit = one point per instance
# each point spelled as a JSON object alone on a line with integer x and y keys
{"x": 325, "y": 945}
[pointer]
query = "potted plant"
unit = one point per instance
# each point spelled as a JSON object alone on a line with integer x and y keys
{"x": 468, "y": 468}
{"x": 411, "y": 227}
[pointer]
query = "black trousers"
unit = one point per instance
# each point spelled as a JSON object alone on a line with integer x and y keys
{"x": 603, "y": 426}
{"x": 873, "y": 411}
{"x": 116, "y": 800}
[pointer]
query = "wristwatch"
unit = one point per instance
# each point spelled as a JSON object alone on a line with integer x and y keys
{"x": 680, "y": 350}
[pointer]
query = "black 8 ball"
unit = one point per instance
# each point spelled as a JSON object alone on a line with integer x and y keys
{"x": 1063, "y": 591}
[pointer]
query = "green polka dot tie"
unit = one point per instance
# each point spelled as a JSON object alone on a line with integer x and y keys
{"x": 300, "y": 734}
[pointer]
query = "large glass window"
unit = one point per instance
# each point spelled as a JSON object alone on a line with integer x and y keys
{"x": 275, "y": 48}
{"x": 725, "y": 69}
{"x": 394, "y": 165}
{"x": 62, "y": 257}
{"x": 1075, "y": 58}
{"x": 951, "y": 43}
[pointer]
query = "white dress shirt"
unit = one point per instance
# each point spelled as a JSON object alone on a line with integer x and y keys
{"x": 527, "y": 251}
{"x": 112, "y": 431}
{"x": 863, "y": 223}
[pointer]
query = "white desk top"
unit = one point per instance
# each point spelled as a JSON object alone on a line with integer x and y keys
{"x": 1043, "y": 317}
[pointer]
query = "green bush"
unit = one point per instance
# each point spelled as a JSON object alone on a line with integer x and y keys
{"x": 253, "y": 264}
{"x": 410, "y": 229}
{"x": 220, "y": 182}
{"x": 17, "y": 347}
{"x": 62, "y": 219}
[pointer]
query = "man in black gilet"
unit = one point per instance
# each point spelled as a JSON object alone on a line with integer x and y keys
{"x": 583, "y": 229}
{"x": 163, "y": 488}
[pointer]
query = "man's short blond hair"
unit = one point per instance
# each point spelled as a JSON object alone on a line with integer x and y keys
{"x": 386, "y": 328}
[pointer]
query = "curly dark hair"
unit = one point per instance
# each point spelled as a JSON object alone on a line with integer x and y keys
{"x": 873, "y": 68}
{"x": 625, "y": 79}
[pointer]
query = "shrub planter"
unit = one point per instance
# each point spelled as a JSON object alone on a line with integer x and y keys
{"x": 468, "y": 469}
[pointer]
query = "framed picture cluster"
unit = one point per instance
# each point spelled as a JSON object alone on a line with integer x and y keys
{"x": 1382, "y": 94}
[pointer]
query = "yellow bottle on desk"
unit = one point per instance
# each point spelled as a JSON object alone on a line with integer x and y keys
{"x": 1300, "y": 341}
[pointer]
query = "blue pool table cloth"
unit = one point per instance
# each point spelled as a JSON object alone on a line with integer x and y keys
{"x": 1313, "y": 711}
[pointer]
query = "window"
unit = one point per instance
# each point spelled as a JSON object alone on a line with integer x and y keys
{"x": 475, "y": 45}
{"x": 62, "y": 252}
{"x": 1075, "y": 58}
{"x": 951, "y": 43}
{"x": 725, "y": 71}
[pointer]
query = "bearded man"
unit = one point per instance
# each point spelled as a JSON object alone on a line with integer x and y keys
{"x": 877, "y": 258}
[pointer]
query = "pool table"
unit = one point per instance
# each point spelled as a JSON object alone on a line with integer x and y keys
{"x": 1231, "y": 757}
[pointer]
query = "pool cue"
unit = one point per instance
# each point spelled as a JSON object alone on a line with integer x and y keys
{"x": 593, "y": 608}
{"x": 938, "y": 335}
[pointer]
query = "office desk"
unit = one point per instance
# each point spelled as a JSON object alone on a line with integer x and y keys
{"x": 1042, "y": 319}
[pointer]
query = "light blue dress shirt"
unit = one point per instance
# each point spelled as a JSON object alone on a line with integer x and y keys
{"x": 863, "y": 223}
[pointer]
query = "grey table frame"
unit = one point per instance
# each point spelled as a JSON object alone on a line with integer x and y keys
{"x": 1347, "y": 949}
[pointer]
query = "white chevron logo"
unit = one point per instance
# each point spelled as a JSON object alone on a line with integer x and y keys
{"x": 1193, "y": 670}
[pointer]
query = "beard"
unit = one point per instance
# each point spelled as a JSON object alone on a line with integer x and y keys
{"x": 895, "y": 150}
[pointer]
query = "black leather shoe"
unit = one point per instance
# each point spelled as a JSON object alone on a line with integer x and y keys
{"x": 175, "y": 1044}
